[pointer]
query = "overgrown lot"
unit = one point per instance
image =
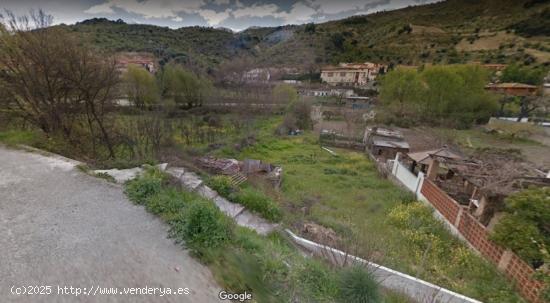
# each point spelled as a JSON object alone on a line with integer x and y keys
{"x": 343, "y": 193}
{"x": 268, "y": 267}
{"x": 368, "y": 213}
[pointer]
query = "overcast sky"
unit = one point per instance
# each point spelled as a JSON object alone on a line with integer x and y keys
{"x": 233, "y": 14}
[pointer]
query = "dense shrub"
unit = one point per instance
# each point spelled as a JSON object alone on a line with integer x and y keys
{"x": 527, "y": 75}
{"x": 301, "y": 110}
{"x": 139, "y": 189}
{"x": 202, "y": 226}
{"x": 222, "y": 184}
{"x": 298, "y": 116}
{"x": 524, "y": 227}
{"x": 258, "y": 202}
{"x": 166, "y": 203}
{"x": 358, "y": 286}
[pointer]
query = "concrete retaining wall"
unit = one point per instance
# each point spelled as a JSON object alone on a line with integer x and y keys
{"x": 420, "y": 290}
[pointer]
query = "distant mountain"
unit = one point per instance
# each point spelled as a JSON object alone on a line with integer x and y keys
{"x": 452, "y": 31}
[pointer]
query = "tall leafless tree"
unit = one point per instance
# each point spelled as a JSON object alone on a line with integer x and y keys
{"x": 53, "y": 81}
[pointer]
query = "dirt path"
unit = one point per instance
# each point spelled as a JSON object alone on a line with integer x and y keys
{"x": 59, "y": 226}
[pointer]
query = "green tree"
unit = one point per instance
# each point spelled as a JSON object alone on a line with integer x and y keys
{"x": 301, "y": 111}
{"x": 140, "y": 87}
{"x": 525, "y": 227}
{"x": 453, "y": 95}
{"x": 528, "y": 75}
{"x": 401, "y": 89}
{"x": 473, "y": 104}
{"x": 443, "y": 90}
{"x": 183, "y": 87}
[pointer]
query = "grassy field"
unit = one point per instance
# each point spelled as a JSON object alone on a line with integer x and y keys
{"x": 345, "y": 193}
{"x": 270, "y": 268}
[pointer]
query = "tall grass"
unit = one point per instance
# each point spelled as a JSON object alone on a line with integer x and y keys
{"x": 346, "y": 194}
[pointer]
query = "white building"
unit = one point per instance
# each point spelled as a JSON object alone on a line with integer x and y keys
{"x": 353, "y": 74}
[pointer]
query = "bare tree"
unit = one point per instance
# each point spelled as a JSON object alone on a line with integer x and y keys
{"x": 529, "y": 104}
{"x": 233, "y": 71}
{"x": 54, "y": 82}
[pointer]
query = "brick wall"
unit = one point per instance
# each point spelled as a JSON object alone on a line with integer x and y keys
{"x": 521, "y": 272}
{"x": 478, "y": 236}
{"x": 441, "y": 201}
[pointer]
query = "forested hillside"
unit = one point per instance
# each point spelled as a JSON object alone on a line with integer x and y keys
{"x": 453, "y": 31}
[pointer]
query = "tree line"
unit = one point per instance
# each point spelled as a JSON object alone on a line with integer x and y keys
{"x": 452, "y": 95}
{"x": 172, "y": 86}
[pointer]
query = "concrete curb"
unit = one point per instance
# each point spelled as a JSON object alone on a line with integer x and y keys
{"x": 49, "y": 154}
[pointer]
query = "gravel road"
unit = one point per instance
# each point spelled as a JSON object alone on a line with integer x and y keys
{"x": 61, "y": 227}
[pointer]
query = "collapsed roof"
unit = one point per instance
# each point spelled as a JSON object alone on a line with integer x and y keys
{"x": 499, "y": 172}
{"x": 425, "y": 157}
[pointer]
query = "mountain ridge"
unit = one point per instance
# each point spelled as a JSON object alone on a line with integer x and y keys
{"x": 452, "y": 31}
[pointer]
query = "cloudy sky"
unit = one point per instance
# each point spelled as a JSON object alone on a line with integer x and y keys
{"x": 233, "y": 14}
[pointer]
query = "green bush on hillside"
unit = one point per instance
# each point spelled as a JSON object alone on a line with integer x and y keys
{"x": 536, "y": 25}
{"x": 222, "y": 184}
{"x": 527, "y": 75}
{"x": 202, "y": 225}
{"x": 524, "y": 227}
{"x": 357, "y": 285}
{"x": 140, "y": 189}
{"x": 257, "y": 201}
{"x": 167, "y": 203}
